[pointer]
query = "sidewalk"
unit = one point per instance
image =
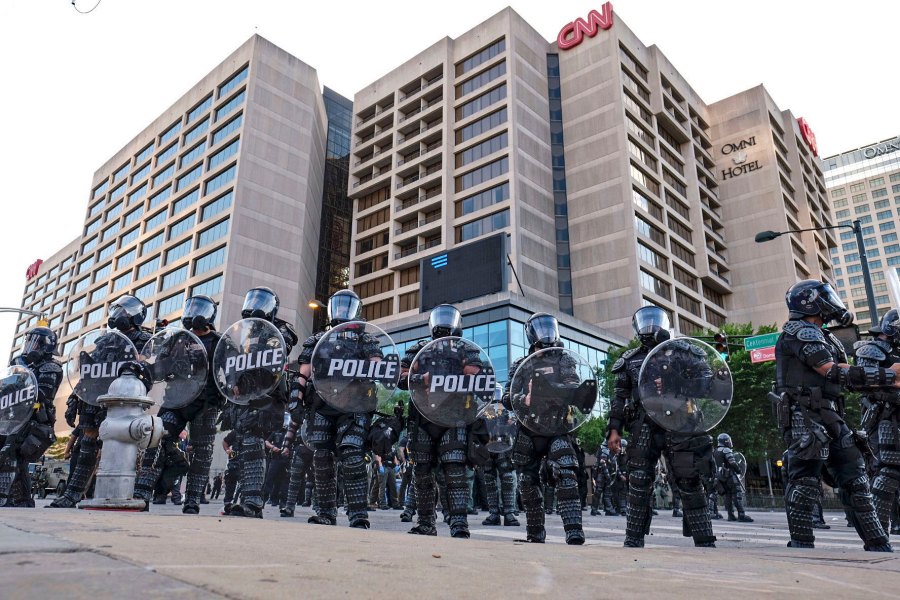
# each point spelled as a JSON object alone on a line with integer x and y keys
{"x": 87, "y": 554}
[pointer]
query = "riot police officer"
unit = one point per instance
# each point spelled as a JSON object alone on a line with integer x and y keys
{"x": 432, "y": 446}
{"x": 600, "y": 481}
{"x": 556, "y": 454}
{"x": 811, "y": 372}
{"x": 255, "y": 421}
{"x": 728, "y": 479}
{"x": 686, "y": 454}
{"x": 198, "y": 316}
{"x": 880, "y": 421}
{"x": 32, "y": 440}
{"x": 336, "y": 435}
{"x": 126, "y": 315}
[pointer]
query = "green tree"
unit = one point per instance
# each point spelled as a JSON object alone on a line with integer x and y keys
{"x": 591, "y": 434}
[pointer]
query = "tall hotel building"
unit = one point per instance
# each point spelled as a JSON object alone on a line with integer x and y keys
{"x": 222, "y": 192}
{"x": 864, "y": 184}
{"x": 616, "y": 184}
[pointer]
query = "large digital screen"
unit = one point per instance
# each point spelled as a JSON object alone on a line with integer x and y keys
{"x": 476, "y": 269}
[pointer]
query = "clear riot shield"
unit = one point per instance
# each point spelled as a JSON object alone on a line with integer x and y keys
{"x": 95, "y": 360}
{"x": 249, "y": 360}
{"x": 553, "y": 391}
{"x": 355, "y": 367}
{"x": 18, "y": 394}
{"x": 450, "y": 381}
{"x": 741, "y": 461}
{"x": 685, "y": 386}
{"x": 500, "y": 423}
{"x": 179, "y": 365}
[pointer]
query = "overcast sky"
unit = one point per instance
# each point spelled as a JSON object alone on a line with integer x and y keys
{"x": 77, "y": 87}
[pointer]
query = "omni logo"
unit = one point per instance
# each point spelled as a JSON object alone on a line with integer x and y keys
{"x": 573, "y": 33}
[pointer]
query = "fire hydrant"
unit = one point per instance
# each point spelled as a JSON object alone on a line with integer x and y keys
{"x": 125, "y": 430}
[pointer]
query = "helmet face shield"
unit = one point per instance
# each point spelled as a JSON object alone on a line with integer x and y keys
{"x": 542, "y": 329}
{"x": 344, "y": 306}
{"x": 39, "y": 342}
{"x": 650, "y": 319}
{"x": 260, "y": 303}
{"x": 126, "y": 312}
{"x": 199, "y": 312}
{"x": 832, "y": 305}
{"x": 445, "y": 320}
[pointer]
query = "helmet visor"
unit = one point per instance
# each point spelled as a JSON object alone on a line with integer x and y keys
{"x": 33, "y": 342}
{"x": 260, "y": 302}
{"x": 126, "y": 306}
{"x": 445, "y": 318}
{"x": 831, "y": 302}
{"x": 343, "y": 307}
{"x": 650, "y": 319}
{"x": 200, "y": 307}
{"x": 542, "y": 329}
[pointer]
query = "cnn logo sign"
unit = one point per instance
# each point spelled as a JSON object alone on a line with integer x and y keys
{"x": 573, "y": 33}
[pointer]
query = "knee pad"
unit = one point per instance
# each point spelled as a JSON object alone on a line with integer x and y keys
{"x": 453, "y": 445}
{"x": 563, "y": 454}
{"x": 803, "y": 492}
{"x": 523, "y": 449}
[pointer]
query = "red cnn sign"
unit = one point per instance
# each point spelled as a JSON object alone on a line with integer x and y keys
{"x": 33, "y": 268}
{"x": 808, "y": 136}
{"x": 762, "y": 354}
{"x": 573, "y": 33}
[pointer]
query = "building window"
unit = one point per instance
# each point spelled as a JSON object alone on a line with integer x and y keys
{"x": 644, "y": 179}
{"x": 92, "y": 227}
{"x": 85, "y": 265}
{"x": 482, "y": 226}
{"x": 859, "y": 198}
{"x": 233, "y": 82}
{"x": 100, "y": 190}
{"x": 143, "y": 155}
{"x": 409, "y": 301}
{"x": 139, "y": 175}
{"x": 93, "y": 316}
{"x": 145, "y": 291}
{"x": 189, "y": 157}
{"x": 189, "y": 177}
{"x": 155, "y": 221}
{"x": 481, "y": 102}
{"x": 481, "y": 79}
{"x": 653, "y": 258}
{"x": 148, "y": 268}
{"x": 176, "y": 277}
{"x": 229, "y": 106}
{"x": 164, "y": 175}
{"x": 488, "y": 197}
{"x": 482, "y": 174}
{"x": 110, "y": 231}
{"x": 185, "y": 201}
{"x": 134, "y": 215}
{"x": 103, "y": 272}
{"x": 181, "y": 227}
{"x": 220, "y": 157}
{"x": 654, "y": 285}
{"x": 409, "y": 276}
{"x": 77, "y": 305}
{"x": 96, "y": 209}
{"x": 179, "y": 251}
{"x": 879, "y": 193}
{"x": 166, "y": 154}
{"x": 170, "y": 133}
{"x": 99, "y": 294}
{"x": 196, "y": 132}
{"x": 887, "y": 226}
{"x": 378, "y": 310}
{"x": 226, "y": 130}
{"x": 216, "y": 206}
{"x": 117, "y": 193}
{"x": 201, "y": 108}
{"x": 482, "y": 125}
{"x": 126, "y": 259}
{"x": 220, "y": 179}
{"x": 121, "y": 281}
{"x": 152, "y": 244}
{"x": 169, "y": 305}
{"x": 650, "y": 231}
{"x": 210, "y": 287}
{"x": 375, "y": 287}
{"x": 214, "y": 233}
{"x": 161, "y": 197}
{"x": 641, "y": 155}
{"x": 485, "y": 148}
{"x": 687, "y": 303}
{"x": 482, "y": 56}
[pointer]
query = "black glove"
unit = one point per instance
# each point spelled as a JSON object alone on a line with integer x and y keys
{"x": 71, "y": 410}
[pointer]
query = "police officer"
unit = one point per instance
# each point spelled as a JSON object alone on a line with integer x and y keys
{"x": 601, "y": 477}
{"x": 32, "y": 440}
{"x": 198, "y": 316}
{"x": 432, "y": 447}
{"x": 882, "y": 415}
{"x": 254, "y": 422}
{"x": 500, "y": 466}
{"x": 126, "y": 315}
{"x": 301, "y": 469}
{"x": 556, "y": 454}
{"x": 686, "y": 454}
{"x": 728, "y": 477}
{"x": 335, "y": 435}
{"x": 811, "y": 373}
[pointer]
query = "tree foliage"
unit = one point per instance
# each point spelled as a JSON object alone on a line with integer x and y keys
{"x": 591, "y": 434}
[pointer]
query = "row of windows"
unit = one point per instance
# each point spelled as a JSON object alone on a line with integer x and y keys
{"x": 481, "y": 102}
{"x": 481, "y": 57}
{"x": 481, "y": 79}
{"x": 482, "y": 125}
{"x": 485, "y": 148}
{"x": 482, "y": 174}
{"x": 482, "y": 226}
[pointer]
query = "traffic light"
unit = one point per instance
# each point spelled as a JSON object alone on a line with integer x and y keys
{"x": 721, "y": 345}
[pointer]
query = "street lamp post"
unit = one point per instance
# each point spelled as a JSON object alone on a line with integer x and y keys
{"x": 768, "y": 236}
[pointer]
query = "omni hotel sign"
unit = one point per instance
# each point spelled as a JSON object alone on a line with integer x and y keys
{"x": 881, "y": 149}
{"x": 738, "y": 154}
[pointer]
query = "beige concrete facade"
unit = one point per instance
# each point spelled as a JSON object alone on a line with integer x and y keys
{"x": 864, "y": 184}
{"x": 650, "y": 216}
{"x": 221, "y": 193}
{"x": 769, "y": 180}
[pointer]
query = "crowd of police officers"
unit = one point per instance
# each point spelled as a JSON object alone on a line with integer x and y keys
{"x": 321, "y": 424}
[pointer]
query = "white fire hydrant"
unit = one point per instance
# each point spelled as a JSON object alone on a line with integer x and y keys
{"x": 125, "y": 430}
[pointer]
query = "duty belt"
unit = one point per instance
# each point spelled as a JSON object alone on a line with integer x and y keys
{"x": 811, "y": 399}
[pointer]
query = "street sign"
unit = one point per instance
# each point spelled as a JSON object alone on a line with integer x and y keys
{"x": 761, "y": 341}
{"x": 762, "y": 354}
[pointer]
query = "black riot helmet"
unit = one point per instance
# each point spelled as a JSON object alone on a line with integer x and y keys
{"x": 651, "y": 325}
{"x": 724, "y": 440}
{"x": 889, "y": 326}
{"x": 40, "y": 343}
{"x": 126, "y": 313}
{"x": 199, "y": 312}
{"x": 343, "y": 306}
{"x": 811, "y": 297}
{"x": 444, "y": 321}
{"x": 542, "y": 330}
{"x": 260, "y": 303}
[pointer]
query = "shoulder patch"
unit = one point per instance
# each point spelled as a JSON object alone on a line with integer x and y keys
{"x": 870, "y": 351}
{"x": 629, "y": 353}
{"x": 619, "y": 364}
{"x": 810, "y": 334}
{"x": 792, "y": 327}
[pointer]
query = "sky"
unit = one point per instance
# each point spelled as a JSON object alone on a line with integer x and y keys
{"x": 78, "y": 87}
